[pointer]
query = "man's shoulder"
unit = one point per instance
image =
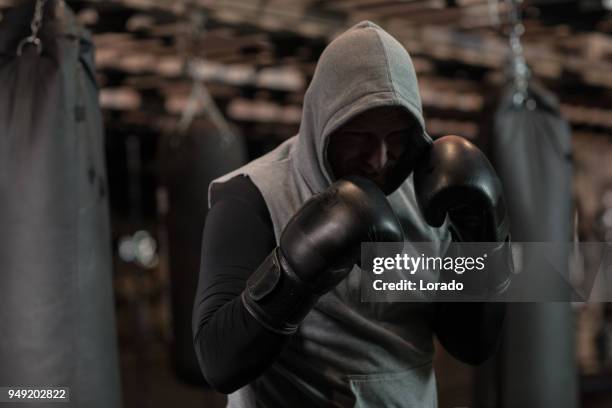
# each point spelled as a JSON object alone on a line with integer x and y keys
{"x": 240, "y": 188}
{"x": 267, "y": 167}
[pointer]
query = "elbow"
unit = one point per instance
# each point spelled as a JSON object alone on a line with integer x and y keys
{"x": 222, "y": 376}
{"x": 220, "y": 381}
{"x": 474, "y": 351}
{"x": 475, "y": 357}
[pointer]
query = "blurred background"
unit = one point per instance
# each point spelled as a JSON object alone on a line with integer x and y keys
{"x": 191, "y": 89}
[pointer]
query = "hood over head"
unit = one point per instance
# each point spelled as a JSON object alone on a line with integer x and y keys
{"x": 361, "y": 69}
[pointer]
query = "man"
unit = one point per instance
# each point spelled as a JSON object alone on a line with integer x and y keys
{"x": 278, "y": 319}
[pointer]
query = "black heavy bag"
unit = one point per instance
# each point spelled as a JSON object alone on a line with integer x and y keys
{"x": 190, "y": 161}
{"x": 56, "y": 300}
{"x": 532, "y": 154}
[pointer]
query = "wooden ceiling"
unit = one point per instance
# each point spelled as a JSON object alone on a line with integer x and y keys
{"x": 256, "y": 57}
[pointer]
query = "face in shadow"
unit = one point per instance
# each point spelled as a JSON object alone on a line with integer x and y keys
{"x": 379, "y": 144}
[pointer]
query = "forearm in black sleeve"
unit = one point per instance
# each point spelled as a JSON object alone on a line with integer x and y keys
{"x": 232, "y": 347}
{"x": 469, "y": 331}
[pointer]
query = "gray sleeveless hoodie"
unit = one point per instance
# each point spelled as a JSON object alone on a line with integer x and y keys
{"x": 347, "y": 352}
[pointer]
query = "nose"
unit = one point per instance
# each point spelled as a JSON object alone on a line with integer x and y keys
{"x": 377, "y": 158}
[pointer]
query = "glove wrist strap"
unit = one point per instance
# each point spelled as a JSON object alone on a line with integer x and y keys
{"x": 276, "y": 297}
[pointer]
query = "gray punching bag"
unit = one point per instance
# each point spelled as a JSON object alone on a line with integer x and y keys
{"x": 532, "y": 154}
{"x": 190, "y": 161}
{"x": 56, "y": 299}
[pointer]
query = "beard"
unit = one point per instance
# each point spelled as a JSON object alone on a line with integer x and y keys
{"x": 388, "y": 179}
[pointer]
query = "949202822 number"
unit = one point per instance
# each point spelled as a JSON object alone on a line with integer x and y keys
{"x": 34, "y": 393}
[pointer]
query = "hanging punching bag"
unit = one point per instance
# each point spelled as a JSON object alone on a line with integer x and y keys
{"x": 190, "y": 161}
{"x": 531, "y": 149}
{"x": 56, "y": 300}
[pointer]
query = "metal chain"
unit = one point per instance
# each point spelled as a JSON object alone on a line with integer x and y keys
{"x": 38, "y": 17}
{"x": 520, "y": 69}
{"x": 200, "y": 100}
{"x": 35, "y": 26}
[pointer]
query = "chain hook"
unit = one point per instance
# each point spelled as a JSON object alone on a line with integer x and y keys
{"x": 35, "y": 25}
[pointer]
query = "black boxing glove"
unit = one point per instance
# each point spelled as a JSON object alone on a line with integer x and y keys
{"x": 318, "y": 248}
{"x": 455, "y": 178}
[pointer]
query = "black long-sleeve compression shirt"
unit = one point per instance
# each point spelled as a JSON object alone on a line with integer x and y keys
{"x": 232, "y": 347}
